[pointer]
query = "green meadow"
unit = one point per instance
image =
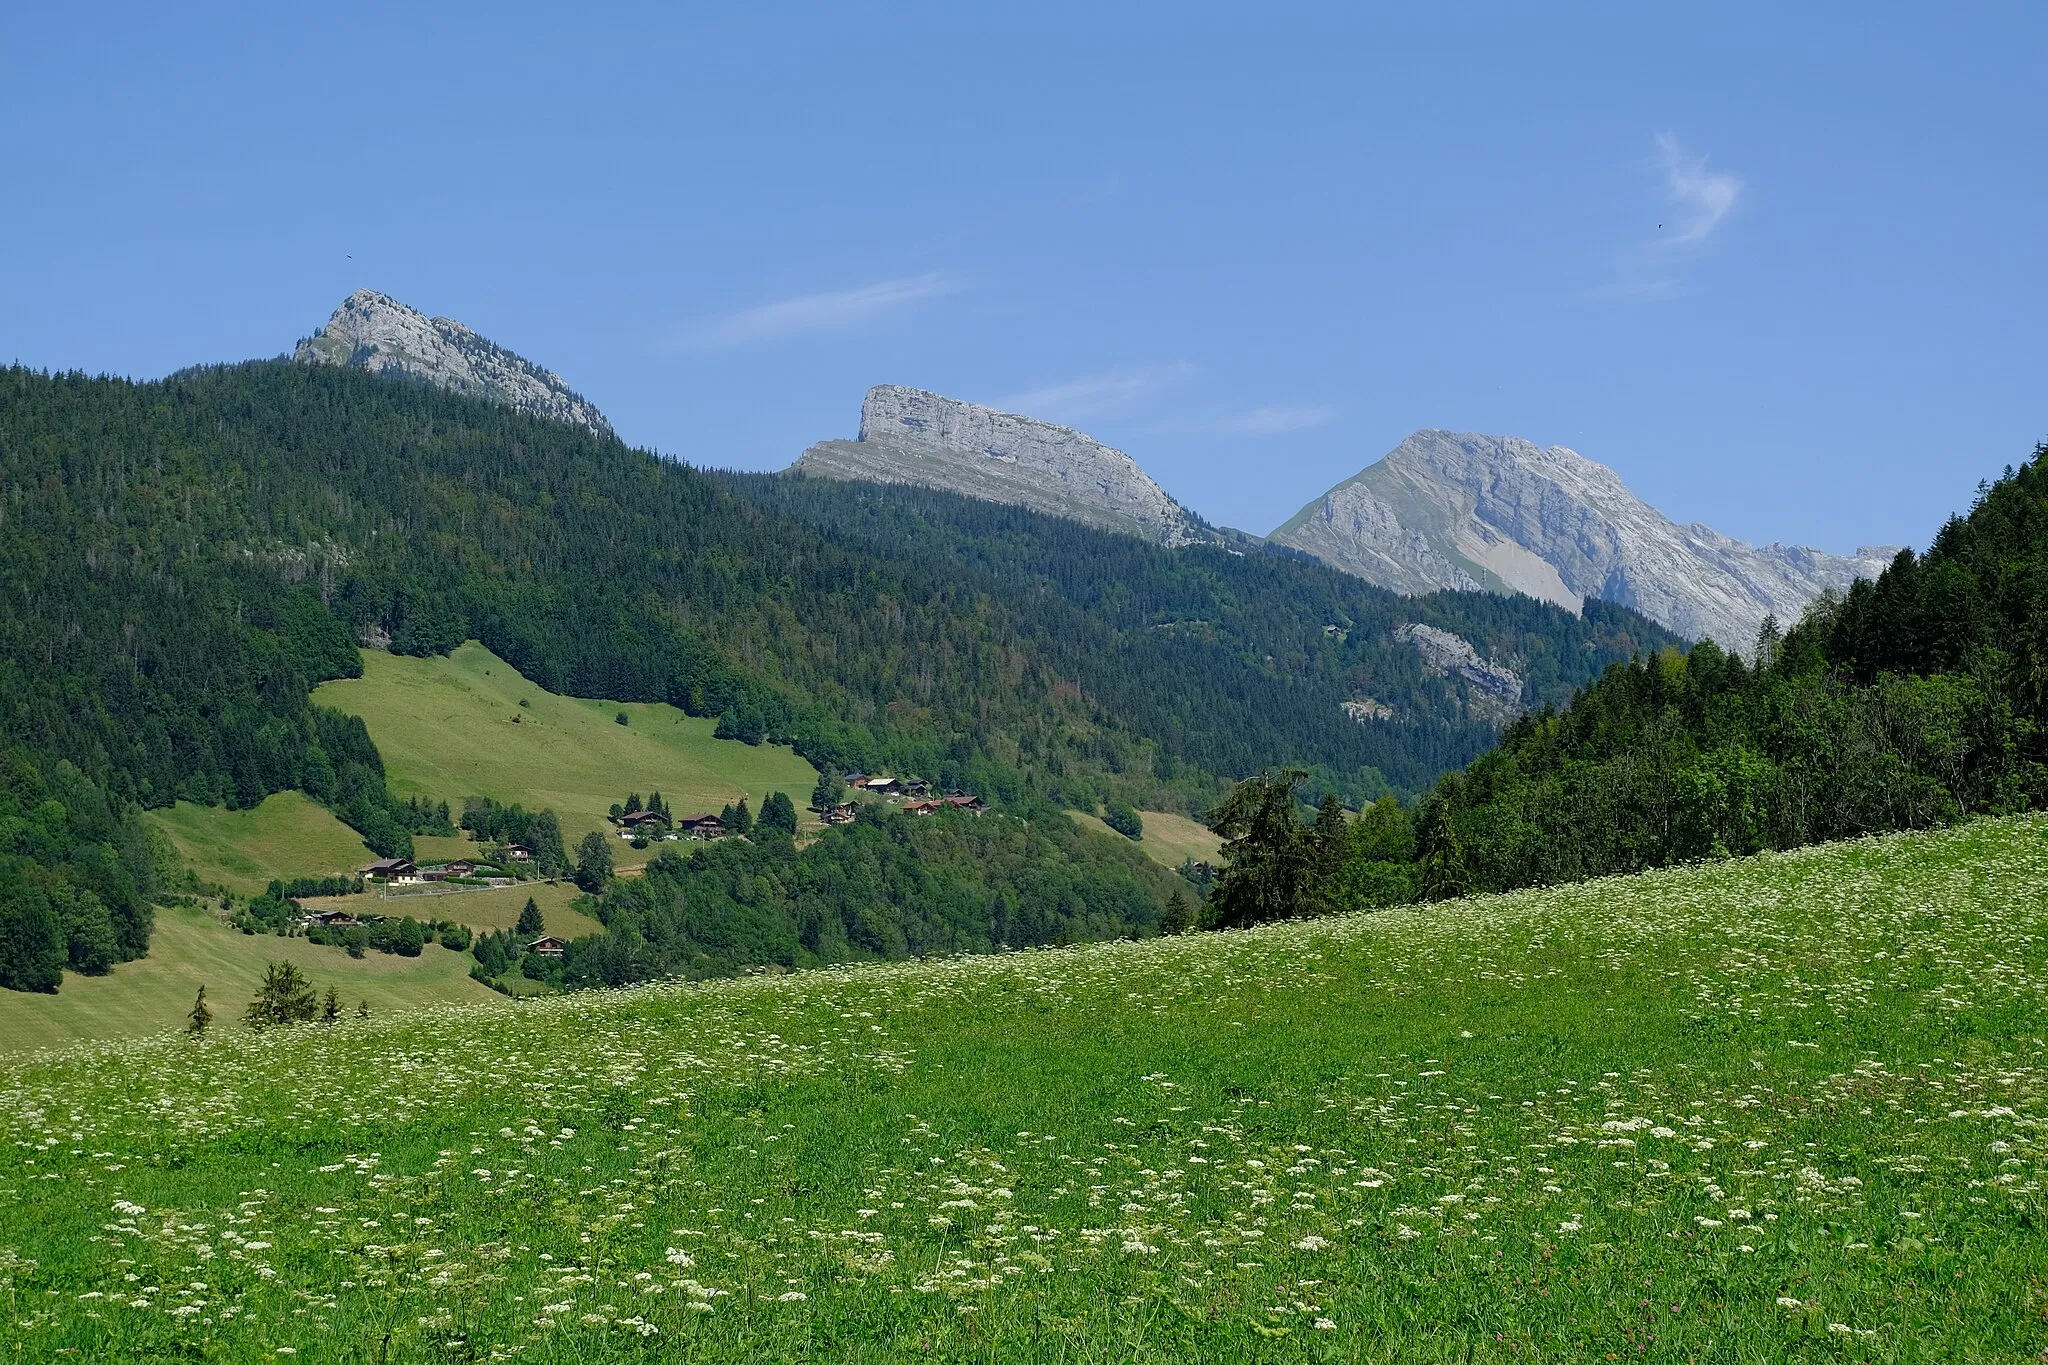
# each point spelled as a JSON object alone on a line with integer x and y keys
{"x": 1789, "y": 1107}
{"x": 288, "y": 835}
{"x": 456, "y": 726}
{"x": 1167, "y": 838}
{"x": 492, "y": 908}
{"x": 193, "y": 948}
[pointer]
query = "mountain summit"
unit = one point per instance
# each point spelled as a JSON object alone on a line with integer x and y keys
{"x": 1455, "y": 510}
{"x": 374, "y": 332}
{"x": 911, "y": 436}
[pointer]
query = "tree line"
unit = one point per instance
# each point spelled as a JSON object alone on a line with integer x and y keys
{"x": 185, "y": 559}
{"x": 1913, "y": 700}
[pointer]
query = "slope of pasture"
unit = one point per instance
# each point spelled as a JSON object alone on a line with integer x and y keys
{"x": 288, "y": 835}
{"x": 192, "y": 948}
{"x": 454, "y": 727}
{"x": 1167, "y": 838}
{"x": 1792, "y": 1107}
{"x": 495, "y": 908}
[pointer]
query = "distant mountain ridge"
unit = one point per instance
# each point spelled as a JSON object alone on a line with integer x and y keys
{"x": 375, "y": 332}
{"x": 916, "y": 437}
{"x": 1464, "y": 511}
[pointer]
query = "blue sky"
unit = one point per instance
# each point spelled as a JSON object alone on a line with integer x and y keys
{"x": 1779, "y": 266}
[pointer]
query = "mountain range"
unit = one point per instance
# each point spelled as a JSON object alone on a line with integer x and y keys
{"x": 1443, "y": 511}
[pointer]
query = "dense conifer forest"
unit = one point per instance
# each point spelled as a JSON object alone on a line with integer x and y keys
{"x": 888, "y": 886}
{"x": 1907, "y": 702}
{"x": 181, "y": 561}
{"x": 1912, "y": 701}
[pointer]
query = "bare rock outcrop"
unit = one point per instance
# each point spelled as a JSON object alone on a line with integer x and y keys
{"x": 911, "y": 436}
{"x": 1455, "y": 510}
{"x": 375, "y": 332}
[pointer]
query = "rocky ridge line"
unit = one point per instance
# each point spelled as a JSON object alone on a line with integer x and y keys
{"x": 912, "y": 436}
{"x": 377, "y": 333}
{"x": 1450, "y": 510}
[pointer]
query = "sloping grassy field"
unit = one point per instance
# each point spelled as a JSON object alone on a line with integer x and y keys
{"x": 288, "y": 835}
{"x": 446, "y": 728}
{"x": 192, "y": 948}
{"x": 1787, "y": 1108}
{"x": 496, "y": 908}
{"x": 1168, "y": 839}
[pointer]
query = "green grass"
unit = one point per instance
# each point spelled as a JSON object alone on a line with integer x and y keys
{"x": 445, "y": 727}
{"x": 1785, "y": 1108}
{"x": 288, "y": 835}
{"x": 496, "y": 908}
{"x": 193, "y": 948}
{"x": 1168, "y": 839}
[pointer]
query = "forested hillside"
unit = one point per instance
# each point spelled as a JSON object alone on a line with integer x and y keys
{"x": 182, "y": 561}
{"x": 185, "y": 555}
{"x": 1905, "y": 703}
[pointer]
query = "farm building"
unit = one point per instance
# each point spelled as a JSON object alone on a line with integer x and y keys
{"x": 548, "y": 946}
{"x": 392, "y": 870}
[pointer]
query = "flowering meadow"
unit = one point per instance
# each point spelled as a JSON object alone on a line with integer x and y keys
{"x": 1781, "y": 1108}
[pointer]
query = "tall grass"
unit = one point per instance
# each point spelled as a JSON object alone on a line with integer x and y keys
{"x": 1784, "y": 1108}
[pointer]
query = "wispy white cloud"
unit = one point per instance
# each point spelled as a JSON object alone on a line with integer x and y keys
{"x": 1110, "y": 394}
{"x": 833, "y": 311}
{"x": 1273, "y": 419}
{"x": 1698, "y": 203}
{"x": 1702, "y": 198}
{"x": 1276, "y": 421}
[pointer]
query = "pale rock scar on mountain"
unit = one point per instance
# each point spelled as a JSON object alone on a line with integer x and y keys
{"x": 1461, "y": 511}
{"x": 374, "y": 332}
{"x": 910, "y": 436}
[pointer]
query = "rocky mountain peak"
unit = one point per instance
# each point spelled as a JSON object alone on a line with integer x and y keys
{"x": 916, "y": 437}
{"x": 375, "y": 332}
{"x": 1460, "y": 510}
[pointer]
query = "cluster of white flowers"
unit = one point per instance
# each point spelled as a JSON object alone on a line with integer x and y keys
{"x": 580, "y": 1196}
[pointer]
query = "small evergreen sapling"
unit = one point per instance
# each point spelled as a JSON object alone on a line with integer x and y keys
{"x": 530, "y": 918}
{"x": 1179, "y": 915}
{"x": 200, "y": 1018}
{"x": 285, "y": 998}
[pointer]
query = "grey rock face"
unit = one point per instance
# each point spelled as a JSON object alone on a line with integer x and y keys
{"x": 1453, "y": 510}
{"x": 1452, "y": 654}
{"x": 374, "y": 332}
{"x": 910, "y": 436}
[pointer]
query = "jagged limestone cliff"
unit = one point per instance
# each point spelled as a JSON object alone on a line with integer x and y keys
{"x": 1455, "y": 510}
{"x": 375, "y": 332}
{"x": 911, "y": 436}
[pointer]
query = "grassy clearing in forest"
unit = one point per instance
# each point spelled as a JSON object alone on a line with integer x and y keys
{"x": 495, "y": 908}
{"x": 1789, "y": 1107}
{"x": 1167, "y": 839}
{"x": 454, "y": 727}
{"x": 288, "y": 835}
{"x": 193, "y": 948}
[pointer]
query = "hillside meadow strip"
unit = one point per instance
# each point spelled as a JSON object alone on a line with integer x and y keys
{"x": 1781, "y": 1108}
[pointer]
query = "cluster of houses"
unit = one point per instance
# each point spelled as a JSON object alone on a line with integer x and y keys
{"x": 653, "y": 824}
{"x": 898, "y": 788}
{"x": 403, "y": 872}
